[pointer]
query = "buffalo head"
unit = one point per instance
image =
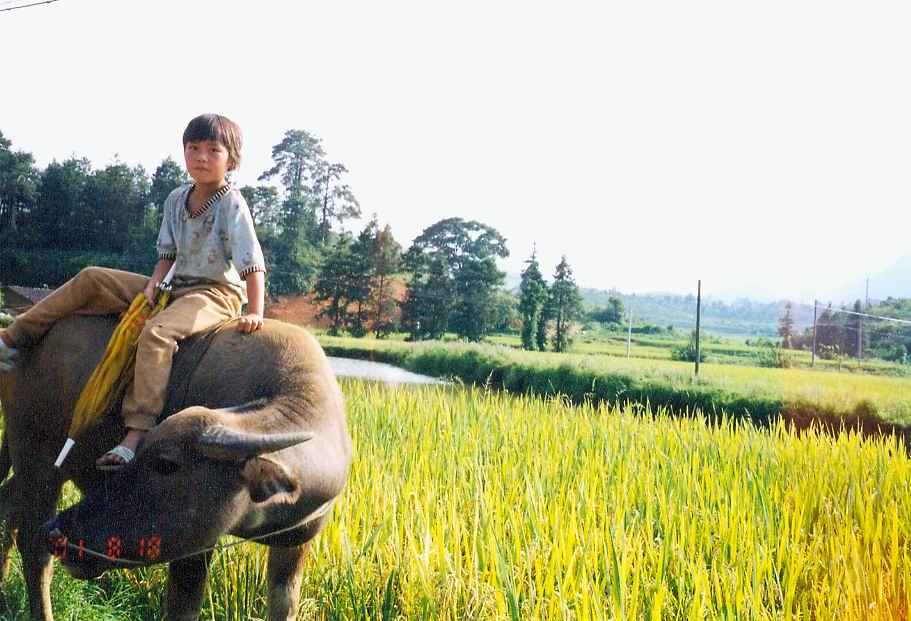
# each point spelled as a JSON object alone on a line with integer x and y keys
{"x": 198, "y": 475}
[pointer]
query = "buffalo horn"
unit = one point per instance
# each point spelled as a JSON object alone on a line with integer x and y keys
{"x": 221, "y": 439}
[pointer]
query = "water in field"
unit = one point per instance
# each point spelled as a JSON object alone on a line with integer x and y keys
{"x": 378, "y": 371}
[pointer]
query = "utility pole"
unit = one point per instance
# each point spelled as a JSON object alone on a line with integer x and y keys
{"x": 629, "y": 334}
{"x": 813, "y": 358}
{"x": 698, "y": 308}
{"x": 860, "y": 324}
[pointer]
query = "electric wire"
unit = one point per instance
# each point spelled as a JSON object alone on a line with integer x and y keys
{"x": 24, "y": 6}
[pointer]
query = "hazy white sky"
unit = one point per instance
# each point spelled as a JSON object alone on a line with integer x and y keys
{"x": 762, "y": 147}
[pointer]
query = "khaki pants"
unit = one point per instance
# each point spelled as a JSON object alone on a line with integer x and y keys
{"x": 102, "y": 291}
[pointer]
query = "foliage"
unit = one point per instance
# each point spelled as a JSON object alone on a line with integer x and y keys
{"x": 687, "y": 353}
{"x": 612, "y": 313}
{"x": 387, "y": 261}
{"x": 739, "y": 317}
{"x": 565, "y": 304}
{"x": 533, "y": 297}
{"x": 168, "y": 176}
{"x": 429, "y": 298}
{"x": 354, "y": 286}
{"x": 18, "y": 188}
{"x": 453, "y": 279}
{"x": 770, "y": 355}
{"x": 505, "y": 313}
{"x": 786, "y": 327}
{"x": 264, "y": 207}
{"x": 299, "y": 224}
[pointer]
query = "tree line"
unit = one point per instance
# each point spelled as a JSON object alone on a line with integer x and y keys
{"x": 837, "y": 331}
{"x": 58, "y": 220}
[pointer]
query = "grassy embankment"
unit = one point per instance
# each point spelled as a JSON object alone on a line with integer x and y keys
{"x": 760, "y": 394}
{"x": 466, "y": 504}
{"x": 720, "y": 350}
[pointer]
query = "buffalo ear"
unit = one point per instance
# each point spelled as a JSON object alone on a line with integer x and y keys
{"x": 265, "y": 478}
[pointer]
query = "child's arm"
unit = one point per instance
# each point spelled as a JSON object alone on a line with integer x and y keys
{"x": 256, "y": 293}
{"x": 161, "y": 270}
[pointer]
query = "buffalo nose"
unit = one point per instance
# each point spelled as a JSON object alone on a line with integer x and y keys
{"x": 54, "y": 540}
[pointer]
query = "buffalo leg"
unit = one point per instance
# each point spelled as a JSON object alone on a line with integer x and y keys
{"x": 6, "y": 540}
{"x": 6, "y": 558}
{"x": 285, "y": 572}
{"x": 37, "y": 568}
{"x": 186, "y": 587}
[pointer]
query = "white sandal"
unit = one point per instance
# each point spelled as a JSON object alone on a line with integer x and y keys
{"x": 7, "y": 355}
{"x": 126, "y": 454}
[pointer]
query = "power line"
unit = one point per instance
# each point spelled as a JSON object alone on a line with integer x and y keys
{"x": 24, "y": 6}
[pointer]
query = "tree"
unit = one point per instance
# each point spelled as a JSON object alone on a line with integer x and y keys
{"x": 59, "y": 219}
{"x": 116, "y": 202}
{"x": 337, "y": 201}
{"x": 532, "y": 298}
{"x": 506, "y": 319}
{"x": 454, "y": 263}
{"x": 786, "y": 327}
{"x": 852, "y": 328}
{"x": 566, "y": 304}
{"x": 18, "y": 187}
{"x": 297, "y": 160}
{"x": 168, "y": 176}
{"x": 263, "y": 203}
{"x": 387, "y": 262}
{"x": 362, "y": 285}
{"x": 332, "y": 287}
{"x": 612, "y": 313}
{"x": 430, "y": 296}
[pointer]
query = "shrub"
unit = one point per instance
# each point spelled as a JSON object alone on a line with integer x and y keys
{"x": 687, "y": 353}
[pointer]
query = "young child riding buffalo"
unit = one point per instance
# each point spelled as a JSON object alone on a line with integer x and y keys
{"x": 207, "y": 235}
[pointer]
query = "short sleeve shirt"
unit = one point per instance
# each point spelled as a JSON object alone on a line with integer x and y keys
{"x": 216, "y": 246}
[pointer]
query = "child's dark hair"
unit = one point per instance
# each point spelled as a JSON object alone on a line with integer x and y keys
{"x": 221, "y": 129}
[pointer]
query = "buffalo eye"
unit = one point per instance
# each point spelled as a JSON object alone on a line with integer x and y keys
{"x": 164, "y": 466}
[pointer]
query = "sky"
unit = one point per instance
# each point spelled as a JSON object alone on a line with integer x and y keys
{"x": 764, "y": 148}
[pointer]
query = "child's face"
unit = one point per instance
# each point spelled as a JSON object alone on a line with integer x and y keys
{"x": 207, "y": 161}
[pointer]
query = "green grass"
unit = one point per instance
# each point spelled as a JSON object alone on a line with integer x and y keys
{"x": 719, "y": 350}
{"x": 469, "y": 504}
{"x": 757, "y": 393}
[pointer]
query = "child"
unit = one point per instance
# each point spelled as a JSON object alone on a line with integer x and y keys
{"x": 207, "y": 235}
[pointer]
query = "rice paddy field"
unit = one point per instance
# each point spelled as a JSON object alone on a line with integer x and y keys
{"x": 473, "y": 504}
{"x": 803, "y": 392}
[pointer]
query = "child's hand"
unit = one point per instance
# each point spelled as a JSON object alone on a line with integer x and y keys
{"x": 251, "y": 322}
{"x": 149, "y": 292}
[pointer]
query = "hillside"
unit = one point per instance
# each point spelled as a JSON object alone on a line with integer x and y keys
{"x": 742, "y": 317}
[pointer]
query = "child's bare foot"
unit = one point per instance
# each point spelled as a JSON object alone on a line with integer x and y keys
{"x": 123, "y": 453}
{"x": 8, "y": 351}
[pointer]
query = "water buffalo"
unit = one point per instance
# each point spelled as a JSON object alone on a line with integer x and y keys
{"x": 254, "y": 444}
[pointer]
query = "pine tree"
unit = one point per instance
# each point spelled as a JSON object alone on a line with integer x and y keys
{"x": 332, "y": 288}
{"x": 387, "y": 262}
{"x": 565, "y": 303}
{"x": 533, "y": 295}
{"x": 786, "y": 327}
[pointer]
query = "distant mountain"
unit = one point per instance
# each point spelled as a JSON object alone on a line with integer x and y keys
{"x": 742, "y": 317}
{"x": 894, "y": 281}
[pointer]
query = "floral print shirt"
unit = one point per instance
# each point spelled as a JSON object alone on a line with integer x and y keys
{"x": 217, "y": 246}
